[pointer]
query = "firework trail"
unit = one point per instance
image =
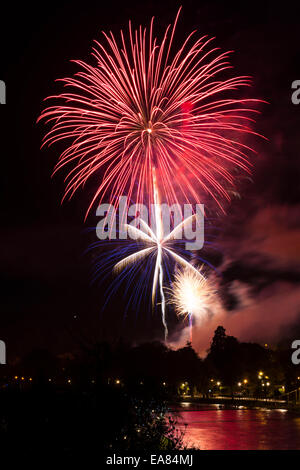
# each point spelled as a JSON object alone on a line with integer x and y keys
{"x": 143, "y": 105}
{"x": 192, "y": 295}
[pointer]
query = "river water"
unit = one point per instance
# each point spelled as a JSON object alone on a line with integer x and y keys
{"x": 211, "y": 427}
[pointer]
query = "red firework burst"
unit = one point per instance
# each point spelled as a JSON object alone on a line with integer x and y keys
{"x": 141, "y": 105}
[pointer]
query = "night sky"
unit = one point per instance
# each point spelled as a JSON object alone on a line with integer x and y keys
{"x": 47, "y": 299}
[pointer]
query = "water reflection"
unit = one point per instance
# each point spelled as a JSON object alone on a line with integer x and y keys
{"x": 215, "y": 427}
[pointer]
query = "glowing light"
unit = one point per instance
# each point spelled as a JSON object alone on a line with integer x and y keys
{"x": 192, "y": 295}
{"x": 143, "y": 105}
{"x": 185, "y": 404}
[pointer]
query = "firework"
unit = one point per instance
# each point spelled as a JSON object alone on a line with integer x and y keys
{"x": 192, "y": 295}
{"x": 159, "y": 244}
{"x": 142, "y": 104}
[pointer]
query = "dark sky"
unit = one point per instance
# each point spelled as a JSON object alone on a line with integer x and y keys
{"x": 47, "y": 299}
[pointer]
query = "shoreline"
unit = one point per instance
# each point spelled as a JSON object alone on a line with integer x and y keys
{"x": 198, "y": 404}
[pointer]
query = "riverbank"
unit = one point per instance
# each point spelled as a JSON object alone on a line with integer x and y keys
{"x": 235, "y": 402}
